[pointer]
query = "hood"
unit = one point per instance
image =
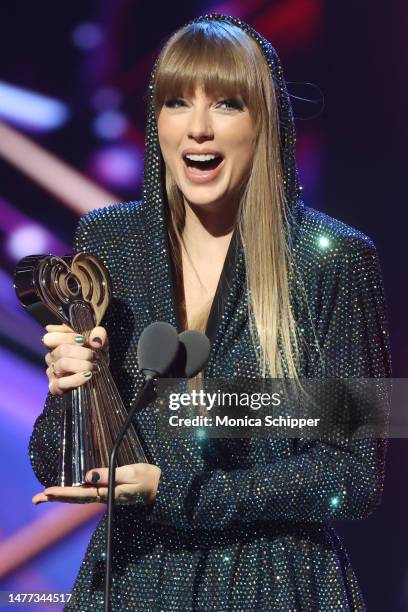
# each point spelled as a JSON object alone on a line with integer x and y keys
{"x": 153, "y": 181}
{"x": 229, "y": 299}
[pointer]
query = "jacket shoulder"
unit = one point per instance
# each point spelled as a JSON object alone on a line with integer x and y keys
{"x": 319, "y": 234}
{"x": 108, "y": 224}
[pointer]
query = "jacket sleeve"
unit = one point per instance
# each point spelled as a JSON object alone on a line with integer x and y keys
{"x": 322, "y": 481}
{"x": 44, "y": 444}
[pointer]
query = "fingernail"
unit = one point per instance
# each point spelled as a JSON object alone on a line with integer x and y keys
{"x": 79, "y": 339}
{"x": 97, "y": 340}
{"x": 87, "y": 374}
{"x": 95, "y": 477}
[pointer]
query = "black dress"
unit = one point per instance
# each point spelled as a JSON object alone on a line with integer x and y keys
{"x": 238, "y": 525}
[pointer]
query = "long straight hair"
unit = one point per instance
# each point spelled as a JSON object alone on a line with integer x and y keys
{"x": 225, "y": 61}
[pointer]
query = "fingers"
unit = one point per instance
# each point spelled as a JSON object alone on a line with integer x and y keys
{"x": 54, "y": 339}
{"x": 70, "y": 363}
{"x": 68, "y": 367}
{"x": 67, "y": 351}
{"x": 58, "y": 328}
{"x": 73, "y": 495}
{"x": 62, "y": 334}
{"x": 98, "y": 337}
{"x": 125, "y": 474}
{"x": 85, "y": 494}
{"x": 39, "y": 498}
{"x": 58, "y": 386}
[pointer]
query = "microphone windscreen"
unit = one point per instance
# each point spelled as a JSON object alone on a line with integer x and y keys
{"x": 157, "y": 348}
{"x": 197, "y": 350}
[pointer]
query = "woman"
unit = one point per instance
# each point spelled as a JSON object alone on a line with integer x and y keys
{"x": 223, "y": 242}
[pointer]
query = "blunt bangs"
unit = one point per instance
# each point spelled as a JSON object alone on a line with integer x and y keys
{"x": 218, "y": 57}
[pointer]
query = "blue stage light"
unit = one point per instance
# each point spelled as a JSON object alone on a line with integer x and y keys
{"x": 110, "y": 124}
{"x": 31, "y": 110}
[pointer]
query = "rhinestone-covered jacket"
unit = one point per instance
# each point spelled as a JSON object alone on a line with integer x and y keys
{"x": 237, "y": 524}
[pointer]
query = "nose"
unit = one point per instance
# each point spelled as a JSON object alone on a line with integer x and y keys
{"x": 200, "y": 127}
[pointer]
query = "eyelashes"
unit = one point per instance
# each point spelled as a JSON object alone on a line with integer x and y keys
{"x": 174, "y": 103}
{"x": 233, "y": 103}
{"x": 227, "y": 103}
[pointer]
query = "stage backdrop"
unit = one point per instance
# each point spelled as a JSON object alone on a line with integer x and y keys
{"x": 73, "y": 78}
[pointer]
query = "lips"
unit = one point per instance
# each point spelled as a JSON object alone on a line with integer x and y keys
{"x": 206, "y": 151}
{"x": 202, "y": 171}
{"x": 195, "y": 175}
{"x": 203, "y": 164}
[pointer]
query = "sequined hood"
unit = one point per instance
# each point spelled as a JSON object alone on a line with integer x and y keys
{"x": 132, "y": 241}
{"x": 153, "y": 184}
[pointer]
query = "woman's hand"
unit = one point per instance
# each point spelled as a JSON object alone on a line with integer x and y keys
{"x": 132, "y": 482}
{"x": 69, "y": 363}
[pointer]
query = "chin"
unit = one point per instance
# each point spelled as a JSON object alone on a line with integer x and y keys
{"x": 203, "y": 201}
{"x": 202, "y": 196}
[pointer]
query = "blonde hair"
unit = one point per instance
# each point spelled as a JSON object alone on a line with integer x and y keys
{"x": 225, "y": 61}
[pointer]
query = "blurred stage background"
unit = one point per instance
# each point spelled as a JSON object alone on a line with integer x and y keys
{"x": 72, "y": 82}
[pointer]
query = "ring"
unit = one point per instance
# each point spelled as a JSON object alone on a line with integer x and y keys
{"x": 97, "y": 367}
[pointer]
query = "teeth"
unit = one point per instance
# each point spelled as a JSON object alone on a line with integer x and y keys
{"x": 201, "y": 158}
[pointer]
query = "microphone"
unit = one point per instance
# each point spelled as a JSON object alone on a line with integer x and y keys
{"x": 193, "y": 352}
{"x": 159, "y": 350}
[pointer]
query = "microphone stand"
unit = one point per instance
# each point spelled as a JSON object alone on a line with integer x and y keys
{"x": 191, "y": 349}
{"x": 143, "y": 395}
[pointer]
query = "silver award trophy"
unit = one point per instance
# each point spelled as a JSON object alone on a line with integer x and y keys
{"x": 75, "y": 290}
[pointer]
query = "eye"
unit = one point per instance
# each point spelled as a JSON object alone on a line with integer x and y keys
{"x": 174, "y": 103}
{"x": 231, "y": 104}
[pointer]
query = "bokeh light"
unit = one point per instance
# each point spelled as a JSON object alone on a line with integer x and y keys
{"x": 31, "y": 110}
{"x": 119, "y": 167}
{"x": 87, "y": 36}
{"x": 28, "y": 239}
{"x": 110, "y": 124}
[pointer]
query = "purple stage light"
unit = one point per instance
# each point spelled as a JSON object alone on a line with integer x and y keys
{"x": 311, "y": 157}
{"x": 110, "y": 124}
{"x": 26, "y": 237}
{"x": 21, "y": 402}
{"x": 87, "y": 36}
{"x": 16, "y": 324}
{"x": 119, "y": 167}
{"x": 106, "y": 98}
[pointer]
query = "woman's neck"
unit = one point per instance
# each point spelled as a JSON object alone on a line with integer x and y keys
{"x": 207, "y": 232}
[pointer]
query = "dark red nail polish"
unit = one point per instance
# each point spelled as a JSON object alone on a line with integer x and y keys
{"x": 97, "y": 340}
{"x": 95, "y": 477}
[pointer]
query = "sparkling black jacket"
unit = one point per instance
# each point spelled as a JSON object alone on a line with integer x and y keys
{"x": 238, "y": 524}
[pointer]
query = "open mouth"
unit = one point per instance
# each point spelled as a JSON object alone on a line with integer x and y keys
{"x": 203, "y": 162}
